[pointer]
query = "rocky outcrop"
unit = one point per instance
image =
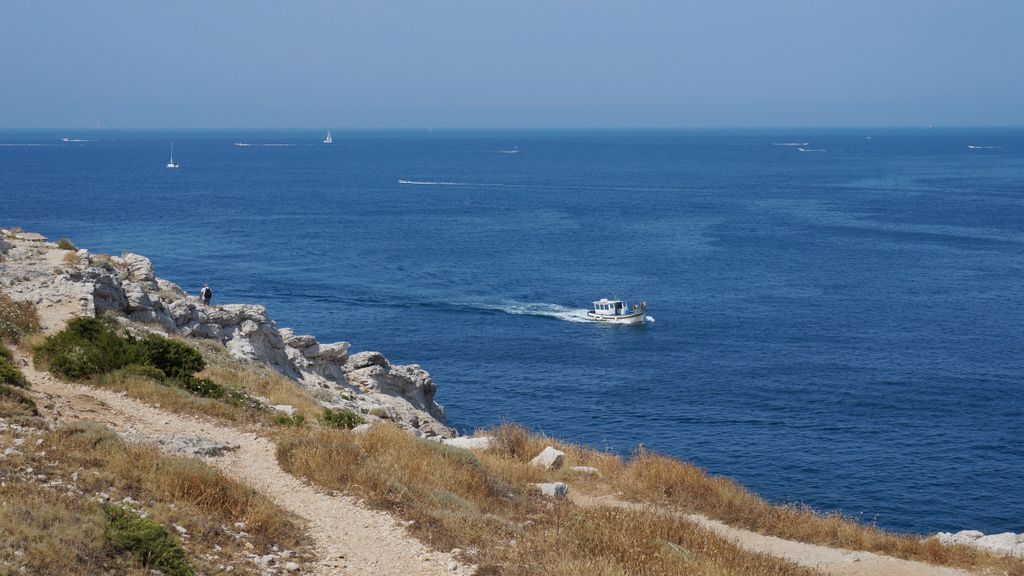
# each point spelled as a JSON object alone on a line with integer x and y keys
{"x": 127, "y": 287}
{"x": 1006, "y": 543}
{"x": 549, "y": 459}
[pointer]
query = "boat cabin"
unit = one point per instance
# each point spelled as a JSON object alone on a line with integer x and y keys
{"x": 607, "y": 307}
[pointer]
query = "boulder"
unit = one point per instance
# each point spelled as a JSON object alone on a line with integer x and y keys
{"x": 478, "y": 443}
{"x": 585, "y": 470}
{"x": 335, "y": 352}
{"x": 5, "y": 246}
{"x": 300, "y": 341}
{"x": 553, "y": 489}
{"x": 140, "y": 269}
{"x": 365, "y": 360}
{"x": 284, "y": 408}
{"x": 1003, "y": 543}
{"x": 549, "y": 459}
{"x": 30, "y": 236}
{"x": 137, "y": 297}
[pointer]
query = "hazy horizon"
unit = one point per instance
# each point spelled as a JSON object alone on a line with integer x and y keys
{"x": 536, "y": 64}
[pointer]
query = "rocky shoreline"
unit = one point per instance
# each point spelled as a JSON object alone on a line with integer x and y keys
{"x": 65, "y": 282}
{"x": 80, "y": 283}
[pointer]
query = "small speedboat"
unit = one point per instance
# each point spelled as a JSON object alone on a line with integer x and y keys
{"x": 618, "y": 312}
{"x": 171, "y": 163}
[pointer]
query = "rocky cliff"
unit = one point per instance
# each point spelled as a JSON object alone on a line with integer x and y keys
{"x": 82, "y": 283}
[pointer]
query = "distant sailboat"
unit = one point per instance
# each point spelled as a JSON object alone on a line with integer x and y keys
{"x": 171, "y": 163}
{"x": 328, "y": 139}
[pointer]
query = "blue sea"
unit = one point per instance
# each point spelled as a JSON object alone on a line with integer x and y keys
{"x": 838, "y": 313}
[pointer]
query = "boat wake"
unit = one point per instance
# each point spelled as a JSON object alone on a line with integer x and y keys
{"x": 555, "y": 311}
{"x": 984, "y": 147}
{"x": 248, "y": 145}
{"x": 4, "y": 144}
{"x": 430, "y": 183}
{"x": 812, "y": 149}
{"x": 790, "y": 143}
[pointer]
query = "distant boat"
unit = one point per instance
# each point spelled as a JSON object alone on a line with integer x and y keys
{"x": 328, "y": 139}
{"x": 514, "y": 150}
{"x": 171, "y": 163}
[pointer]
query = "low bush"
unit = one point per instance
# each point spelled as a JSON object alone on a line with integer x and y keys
{"x": 86, "y": 347}
{"x": 147, "y": 541}
{"x": 17, "y": 319}
{"x": 9, "y": 374}
{"x": 92, "y": 346}
{"x": 175, "y": 358}
{"x": 340, "y": 418}
{"x": 295, "y": 421}
{"x": 203, "y": 387}
{"x": 65, "y": 244}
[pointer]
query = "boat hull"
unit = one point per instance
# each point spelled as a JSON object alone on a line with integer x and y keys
{"x": 634, "y": 318}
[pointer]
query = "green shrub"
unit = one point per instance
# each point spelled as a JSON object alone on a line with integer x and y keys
{"x": 203, "y": 387}
{"x": 145, "y": 371}
{"x": 296, "y": 421}
{"x": 175, "y": 358}
{"x": 340, "y": 418}
{"x": 16, "y": 319}
{"x": 146, "y": 540}
{"x": 86, "y": 347}
{"x": 9, "y": 374}
{"x": 238, "y": 397}
{"x": 65, "y": 244}
{"x": 91, "y": 346}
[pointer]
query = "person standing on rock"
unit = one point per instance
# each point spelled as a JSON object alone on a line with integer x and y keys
{"x": 205, "y": 294}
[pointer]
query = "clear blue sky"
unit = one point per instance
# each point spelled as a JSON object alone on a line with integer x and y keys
{"x": 527, "y": 63}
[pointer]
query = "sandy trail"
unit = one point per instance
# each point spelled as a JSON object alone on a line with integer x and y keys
{"x": 348, "y": 538}
{"x": 832, "y": 561}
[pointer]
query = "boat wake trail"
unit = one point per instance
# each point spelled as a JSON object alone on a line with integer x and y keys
{"x": 984, "y": 147}
{"x": 555, "y": 311}
{"x": 790, "y": 143}
{"x": 430, "y": 183}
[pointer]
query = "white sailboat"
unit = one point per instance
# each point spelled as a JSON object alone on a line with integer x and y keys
{"x": 171, "y": 163}
{"x": 328, "y": 139}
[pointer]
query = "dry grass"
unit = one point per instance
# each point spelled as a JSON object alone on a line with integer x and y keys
{"x": 53, "y": 533}
{"x": 270, "y": 385}
{"x": 51, "y": 514}
{"x": 649, "y": 477}
{"x": 176, "y": 399}
{"x": 652, "y": 478}
{"x": 480, "y": 504}
{"x": 72, "y": 259}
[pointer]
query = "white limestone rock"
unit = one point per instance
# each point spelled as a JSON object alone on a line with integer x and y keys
{"x": 553, "y": 489}
{"x": 469, "y": 443}
{"x": 549, "y": 459}
{"x": 586, "y": 470}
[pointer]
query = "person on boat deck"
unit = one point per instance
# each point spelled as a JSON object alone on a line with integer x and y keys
{"x": 205, "y": 294}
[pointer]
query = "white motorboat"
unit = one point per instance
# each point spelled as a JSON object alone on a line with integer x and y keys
{"x": 328, "y": 139}
{"x": 618, "y": 312}
{"x": 171, "y": 163}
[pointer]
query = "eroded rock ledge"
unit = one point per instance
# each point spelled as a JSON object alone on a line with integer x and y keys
{"x": 86, "y": 284}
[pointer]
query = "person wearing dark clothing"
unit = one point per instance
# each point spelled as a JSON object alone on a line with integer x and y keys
{"x": 205, "y": 294}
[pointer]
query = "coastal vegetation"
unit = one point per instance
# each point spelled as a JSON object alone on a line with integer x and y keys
{"x": 166, "y": 371}
{"x": 483, "y": 505}
{"x": 483, "y": 502}
{"x": 65, "y": 244}
{"x": 17, "y": 319}
{"x": 78, "y": 500}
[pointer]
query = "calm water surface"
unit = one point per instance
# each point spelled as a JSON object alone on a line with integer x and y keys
{"x": 839, "y": 327}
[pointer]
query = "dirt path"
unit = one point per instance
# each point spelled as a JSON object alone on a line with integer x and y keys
{"x": 832, "y": 561}
{"x": 349, "y": 539}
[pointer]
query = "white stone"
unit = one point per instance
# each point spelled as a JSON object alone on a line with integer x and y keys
{"x": 291, "y": 567}
{"x": 549, "y": 459}
{"x": 1004, "y": 542}
{"x": 553, "y": 489}
{"x": 289, "y": 410}
{"x": 478, "y": 443}
{"x": 588, "y": 470}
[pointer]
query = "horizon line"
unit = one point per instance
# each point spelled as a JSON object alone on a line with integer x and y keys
{"x": 521, "y": 128}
